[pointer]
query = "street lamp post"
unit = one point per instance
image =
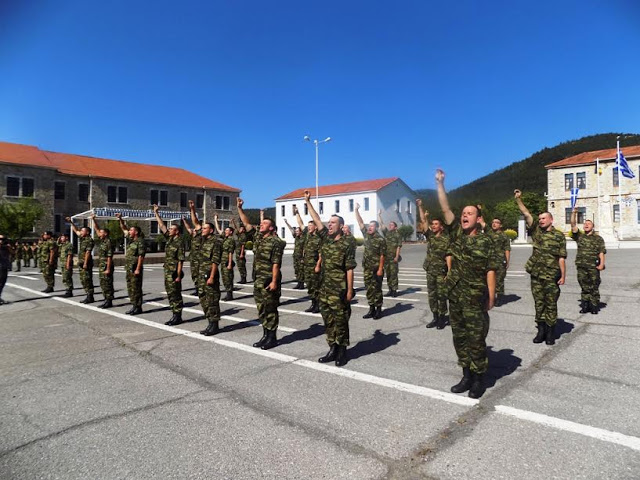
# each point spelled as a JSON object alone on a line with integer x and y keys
{"x": 317, "y": 144}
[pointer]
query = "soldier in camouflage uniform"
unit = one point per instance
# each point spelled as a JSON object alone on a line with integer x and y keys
{"x": 241, "y": 259}
{"x": 589, "y": 263}
{"x": 65, "y": 254}
{"x": 17, "y": 255}
{"x": 392, "y": 255}
{"x": 311, "y": 253}
{"x": 267, "y": 261}
{"x": 27, "y": 254}
{"x": 375, "y": 248}
{"x": 547, "y": 269}
{"x": 48, "y": 257}
{"x": 471, "y": 283}
{"x": 228, "y": 247}
{"x": 134, "y": 259}
{"x": 173, "y": 263}
{"x": 336, "y": 265}
{"x": 105, "y": 263}
{"x": 298, "y": 253}
{"x": 196, "y": 244}
{"x": 209, "y": 281}
{"x": 35, "y": 250}
{"x": 503, "y": 247}
{"x": 85, "y": 259}
{"x": 436, "y": 266}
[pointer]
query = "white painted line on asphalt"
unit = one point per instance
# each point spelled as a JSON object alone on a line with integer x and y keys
{"x": 568, "y": 426}
{"x": 23, "y": 276}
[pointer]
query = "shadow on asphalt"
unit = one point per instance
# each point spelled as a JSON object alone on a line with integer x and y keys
{"x": 510, "y": 298}
{"x": 397, "y": 308}
{"x": 313, "y": 331}
{"x": 295, "y": 300}
{"x": 501, "y": 364}
{"x": 380, "y": 341}
{"x": 563, "y": 327}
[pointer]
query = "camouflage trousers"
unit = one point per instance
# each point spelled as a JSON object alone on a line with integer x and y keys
{"x": 134, "y": 288}
{"x": 106, "y": 282}
{"x": 589, "y": 280}
{"x": 312, "y": 280}
{"x": 86, "y": 279}
{"x": 501, "y": 274}
{"x": 469, "y": 326}
{"x": 298, "y": 268}
{"x": 391, "y": 269}
{"x": 195, "y": 278}
{"x": 210, "y": 298}
{"x": 227, "y": 278}
{"x": 174, "y": 291}
{"x": 546, "y": 293}
{"x": 67, "y": 277}
{"x": 241, "y": 263}
{"x": 437, "y": 293}
{"x": 267, "y": 303}
{"x": 335, "y": 313}
{"x": 18, "y": 264}
{"x": 373, "y": 284}
{"x": 48, "y": 274}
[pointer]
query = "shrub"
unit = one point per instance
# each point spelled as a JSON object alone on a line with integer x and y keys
{"x": 405, "y": 232}
{"x": 248, "y": 245}
{"x": 512, "y": 234}
{"x": 359, "y": 242}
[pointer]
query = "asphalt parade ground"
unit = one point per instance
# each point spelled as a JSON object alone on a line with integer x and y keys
{"x": 90, "y": 393}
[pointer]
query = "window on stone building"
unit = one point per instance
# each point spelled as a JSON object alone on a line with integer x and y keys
{"x": 184, "y": 200}
{"x": 351, "y": 206}
{"x": 616, "y": 178}
{"x": 159, "y": 197}
{"x": 582, "y": 213}
{"x": 282, "y": 232}
{"x": 581, "y": 180}
{"x": 616, "y": 213}
{"x": 153, "y": 227}
{"x": 222, "y": 202}
{"x": 199, "y": 200}
{"x": 59, "y": 190}
{"x": 337, "y": 205}
{"x": 116, "y": 194}
{"x": 57, "y": 223}
{"x": 321, "y": 208}
{"x": 20, "y": 187}
{"x": 568, "y": 181}
{"x": 224, "y": 224}
{"x": 164, "y": 198}
{"x": 83, "y": 192}
{"x": 366, "y": 204}
{"x": 282, "y": 210}
{"x": 27, "y": 187}
{"x": 13, "y": 186}
{"x": 306, "y": 208}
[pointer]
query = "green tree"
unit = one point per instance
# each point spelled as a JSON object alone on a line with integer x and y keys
{"x": 405, "y": 232}
{"x": 508, "y": 211}
{"x": 18, "y": 218}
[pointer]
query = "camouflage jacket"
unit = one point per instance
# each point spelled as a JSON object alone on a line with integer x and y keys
{"x": 589, "y": 249}
{"x": 173, "y": 252}
{"x": 210, "y": 253}
{"x": 228, "y": 247}
{"x": 105, "y": 250}
{"x": 352, "y": 241}
{"x": 394, "y": 241}
{"x": 194, "y": 253}
{"x": 338, "y": 256}
{"x": 472, "y": 256}
{"x": 86, "y": 245}
{"x": 501, "y": 241}
{"x": 548, "y": 248}
{"x": 46, "y": 248}
{"x": 312, "y": 244}
{"x": 18, "y": 252}
{"x": 64, "y": 251}
{"x": 135, "y": 249}
{"x": 437, "y": 247}
{"x": 241, "y": 239}
{"x": 298, "y": 247}
{"x": 374, "y": 246}
{"x": 267, "y": 251}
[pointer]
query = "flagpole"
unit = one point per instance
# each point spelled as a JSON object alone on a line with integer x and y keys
{"x": 619, "y": 186}
{"x": 598, "y": 183}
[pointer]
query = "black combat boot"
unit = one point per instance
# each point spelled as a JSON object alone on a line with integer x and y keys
{"x": 106, "y": 304}
{"x": 434, "y": 322}
{"x": 370, "y": 313}
{"x": 331, "y": 355}
{"x": 300, "y": 286}
{"x": 594, "y": 308}
{"x": 477, "y": 386}
{"x": 68, "y": 293}
{"x": 542, "y": 332}
{"x": 311, "y": 307}
{"x": 550, "y": 337}
{"x": 136, "y": 311}
{"x": 176, "y": 319}
{"x": 229, "y": 296}
{"x": 48, "y": 290}
{"x": 394, "y": 293}
{"x": 341, "y": 356}
{"x": 211, "y": 329}
{"x": 260, "y": 342}
{"x": 584, "y": 306}
{"x": 316, "y": 307}
{"x": 243, "y": 280}
{"x": 389, "y": 293}
{"x": 378, "y": 313}
{"x": 271, "y": 340}
{"x": 128, "y": 312}
{"x": 465, "y": 383}
{"x": 442, "y": 322}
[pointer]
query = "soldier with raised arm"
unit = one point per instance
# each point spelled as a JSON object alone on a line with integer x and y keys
{"x": 589, "y": 263}
{"x": 85, "y": 259}
{"x": 196, "y": 245}
{"x": 227, "y": 264}
{"x": 267, "y": 261}
{"x": 471, "y": 283}
{"x": 298, "y": 252}
{"x": 373, "y": 257}
{"x": 173, "y": 263}
{"x": 210, "y": 258}
{"x": 105, "y": 263}
{"x": 134, "y": 259}
{"x": 392, "y": 254}
{"x": 547, "y": 269}
{"x": 311, "y": 253}
{"x": 241, "y": 258}
{"x": 65, "y": 256}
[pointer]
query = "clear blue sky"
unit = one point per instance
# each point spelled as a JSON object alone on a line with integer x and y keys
{"x": 229, "y": 88}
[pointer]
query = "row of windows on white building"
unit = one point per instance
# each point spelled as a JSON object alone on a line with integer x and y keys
{"x": 581, "y": 179}
{"x": 337, "y": 206}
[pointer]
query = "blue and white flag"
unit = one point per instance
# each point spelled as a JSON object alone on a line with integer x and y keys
{"x": 574, "y": 197}
{"x": 622, "y": 164}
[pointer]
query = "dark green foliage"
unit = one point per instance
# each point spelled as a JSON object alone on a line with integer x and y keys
{"x": 405, "y": 232}
{"x": 17, "y": 218}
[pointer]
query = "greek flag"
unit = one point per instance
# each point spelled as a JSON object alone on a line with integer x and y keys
{"x": 574, "y": 197}
{"x": 622, "y": 164}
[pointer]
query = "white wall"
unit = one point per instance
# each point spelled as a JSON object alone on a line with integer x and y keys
{"x": 388, "y": 200}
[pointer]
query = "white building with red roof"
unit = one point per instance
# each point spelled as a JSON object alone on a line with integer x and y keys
{"x": 391, "y": 195}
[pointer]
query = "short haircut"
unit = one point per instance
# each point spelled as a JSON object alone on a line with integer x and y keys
{"x": 547, "y": 213}
{"x": 340, "y": 219}
{"x": 106, "y": 230}
{"x": 496, "y": 218}
{"x": 376, "y": 223}
{"x": 137, "y": 229}
{"x": 273, "y": 224}
{"x": 394, "y": 223}
{"x": 210, "y": 225}
{"x": 178, "y": 227}
{"x": 232, "y": 229}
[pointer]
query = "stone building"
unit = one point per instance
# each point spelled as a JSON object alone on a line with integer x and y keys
{"x": 600, "y": 190}
{"x": 67, "y": 184}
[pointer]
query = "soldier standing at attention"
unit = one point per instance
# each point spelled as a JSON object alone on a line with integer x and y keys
{"x": 241, "y": 258}
{"x": 471, "y": 283}
{"x": 228, "y": 247}
{"x": 589, "y": 263}
{"x": 298, "y": 252}
{"x": 373, "y": 265}
{"x": 85, "y": 259}
{"x": 267, "y": 261}
{"x": 105, "y": 263}
{"x": 27, "y": 253}
{"x": 48, "y": 257}
{"x": 134, "y": 258}
{"x": 547, "y": 269}
{"x": 392, "y": 255}
{"x": 173, "y": 262}
{"x": 336, "y": 264}
{"x": 311, "y": 253}
{"x": 35, "y": 250}
{"x": 348, "y": 236}
{"x": 65, "y": 254}
{"x": 437, "y": 265}
{"x": 196, "y": 244}
{"x": 503, "y": 247}
{"x": 17, "y": 253}
{"x": 210, "y": 257}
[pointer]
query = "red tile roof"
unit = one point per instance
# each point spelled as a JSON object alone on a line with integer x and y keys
{"x": 80, "y": 165}
{"x": 587, "y": 158}
{"x": 353, "y": 187}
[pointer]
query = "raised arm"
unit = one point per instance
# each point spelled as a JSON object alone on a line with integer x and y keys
{"x": 242, "y": 215}
{"x": 123, "y": 226}
{"x": 291, "y": 229}
{"x": 96, "y": 227}
{"x": 235, "y": 226}
{"x": 194, "y": 215}
{"x": 481, "y": 221}
{"x": 449, "y": 217}
{"x": 161, "y": 224}
{"x": 217, "y": 224}
{"x": 261, "y": 215}
{"x": 574, "y": 220}
{"x": 187, "y": 227}
{"x": 382, "y": 227}
{"x": 75, "y": 229}
{"x": 298, "y": 217}
{"x": 312, "y": 211}
{"x": 358, "y": 217}
{"x": 524, "y": 210}
{"x": 423, "y": 225}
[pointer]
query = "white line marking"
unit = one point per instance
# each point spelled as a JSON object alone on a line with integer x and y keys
{"x": 568, "y": 426}
{"x": 23, "y": 276}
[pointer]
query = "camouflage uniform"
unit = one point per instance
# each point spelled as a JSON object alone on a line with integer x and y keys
{"x": 48, "y": 270}
{"x": 544, "y": 268}
{"x": 298, "y": 258}
{"x": 173, "y": 253}
{"x": 228, "y": 247}
{"x": 18, "y": 257}
{"x": 472, "y": 256}
{"x": 338, "y": 256}
{"x": 267, "y": 251}
{"x": 135, "y": 249}
{"x": 210, "y": 253}
{"x": 374, "y": 246}
{"x": 435, "y": 265}
{"x": 503, "y": 244}
{"x": 241, "y": 262}
{"x": 28, "y": 255}
{"x": 194, "y": 259}
{"x": 105, "y": 251}
{"x": 86, "y": 275}
{"x": 312, "y": 243}
{"x": 587, "y": 259}
{"x": 394, "y": 241}
{"x": 64, "y": 251}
